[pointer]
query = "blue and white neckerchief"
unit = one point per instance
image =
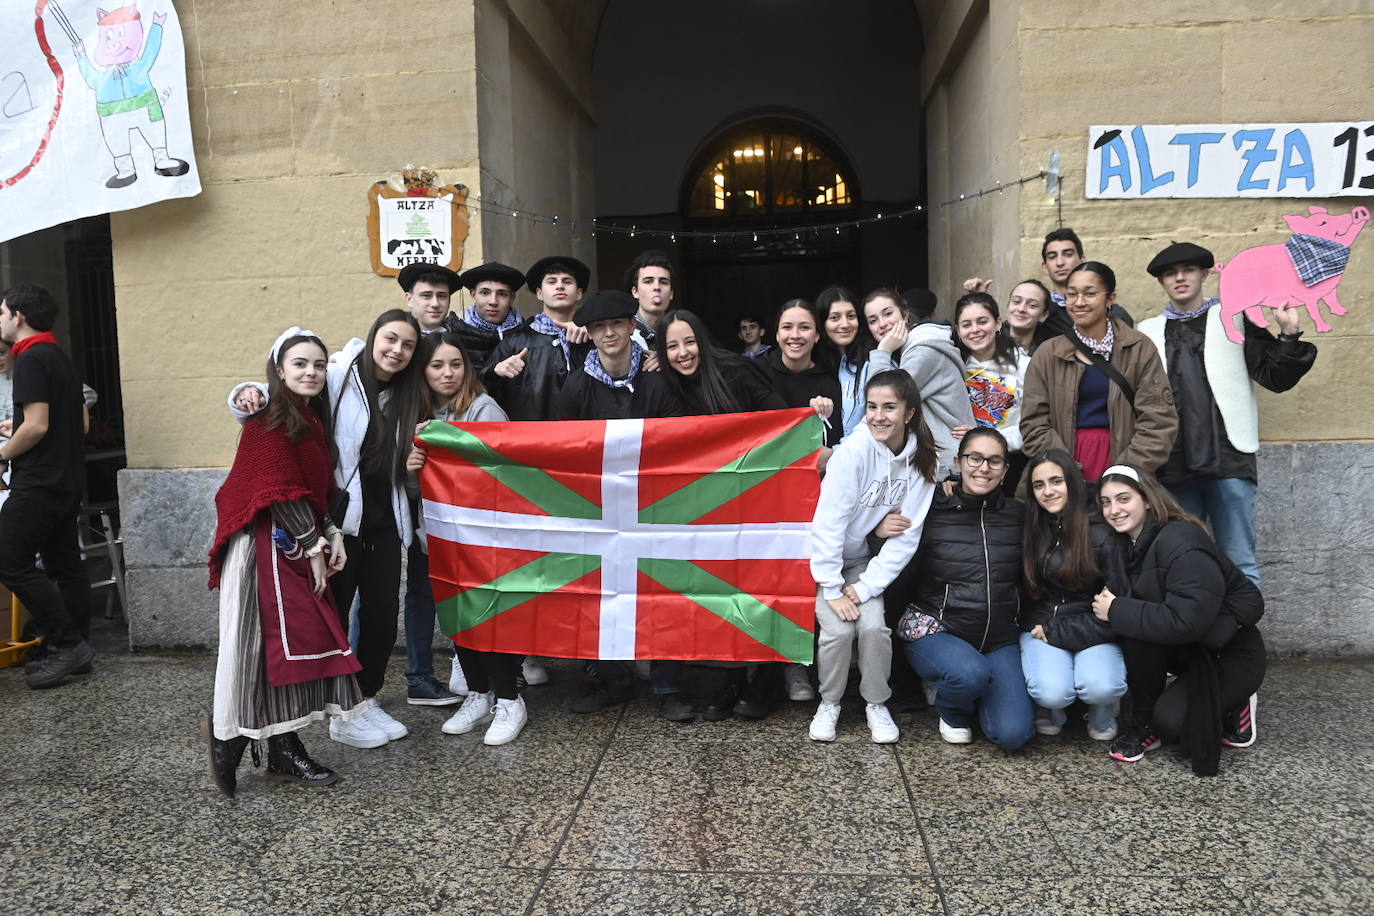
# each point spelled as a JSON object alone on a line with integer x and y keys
{"x": 1171, "y": 312}
{"x": 1317, "y": 259}
{"x": 475, "y": 320}
{"x": 594, "y": 368}
{"x": 1058, "y": 298}
{"x": 547, "y": 326}
{"x": 1103, "y": 347}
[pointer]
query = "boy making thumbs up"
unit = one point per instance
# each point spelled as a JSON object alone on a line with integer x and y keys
{"x": 528, "y": 367}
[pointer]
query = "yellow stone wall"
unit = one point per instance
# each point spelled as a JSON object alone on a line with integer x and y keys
{"x": 1081, "y": 64}
{"x": 296, "y": 109}
{"x": 290, "y": 133}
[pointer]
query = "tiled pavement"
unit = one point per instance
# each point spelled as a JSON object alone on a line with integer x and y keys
{"x": 107, "y": 808}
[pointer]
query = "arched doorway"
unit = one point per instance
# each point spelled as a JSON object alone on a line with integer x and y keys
{"x": 766, "y": 174}
{"x": 680, "y": 87}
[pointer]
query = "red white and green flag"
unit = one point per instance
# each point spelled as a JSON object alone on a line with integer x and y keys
{"x": 683, "y": 538}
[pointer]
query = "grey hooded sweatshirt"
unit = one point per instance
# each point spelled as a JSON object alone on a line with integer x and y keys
{"x": 935, "y": 364}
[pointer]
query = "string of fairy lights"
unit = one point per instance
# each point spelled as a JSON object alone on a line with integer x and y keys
{"x": 754, "y": 234}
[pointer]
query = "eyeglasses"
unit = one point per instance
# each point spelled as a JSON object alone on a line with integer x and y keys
{"x": 975, "y": 460}
{"x": 1081, "y": 296}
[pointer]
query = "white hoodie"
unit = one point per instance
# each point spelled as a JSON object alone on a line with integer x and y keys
{"x": 863, "y": 483}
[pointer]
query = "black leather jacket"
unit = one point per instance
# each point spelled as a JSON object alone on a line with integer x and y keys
{"x": 530, "y": 395}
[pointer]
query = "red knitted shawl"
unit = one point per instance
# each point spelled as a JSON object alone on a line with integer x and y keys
{"x": 269, "y": 468}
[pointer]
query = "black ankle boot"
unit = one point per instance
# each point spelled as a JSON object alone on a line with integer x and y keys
{"x": 287, "y": 761}
{"x": 224, "y": 757}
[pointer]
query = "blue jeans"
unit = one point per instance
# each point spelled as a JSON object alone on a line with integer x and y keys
{"x": 419, "y": 617}
{"x": 1228, "y": 505}
{"x": 970, "y": 683}
{"x": 1056, "y": 677}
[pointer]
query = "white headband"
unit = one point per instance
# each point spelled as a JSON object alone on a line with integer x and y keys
{"x": 1122, "y": 470}
{"x": 286, "y": 335}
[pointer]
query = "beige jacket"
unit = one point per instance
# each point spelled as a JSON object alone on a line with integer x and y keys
{"x": 1142, "y": 434}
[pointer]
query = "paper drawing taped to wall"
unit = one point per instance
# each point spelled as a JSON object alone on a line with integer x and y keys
{"x": 118, "y": 137}
{"x": 1301, "y": 272}
{"x": 125, "y": 98}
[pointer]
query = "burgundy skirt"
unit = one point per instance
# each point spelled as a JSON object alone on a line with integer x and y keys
{"x": 1092, "y": 449}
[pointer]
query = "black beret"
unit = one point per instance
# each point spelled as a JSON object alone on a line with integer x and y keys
{"x": 1180, "y": 253}
{"x": 605, "y": 305}
{"x": 535, "y": 275}
{"x": 412, "y": 272}
{"x": 494, "y": 272}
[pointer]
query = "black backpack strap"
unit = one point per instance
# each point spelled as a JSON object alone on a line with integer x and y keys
{"x": 1111, "y": 371}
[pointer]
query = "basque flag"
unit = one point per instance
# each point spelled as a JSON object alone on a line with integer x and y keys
{"x": 683, "y": 538}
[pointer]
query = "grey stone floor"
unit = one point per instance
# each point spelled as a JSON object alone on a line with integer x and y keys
{"x": 108, "y": 809}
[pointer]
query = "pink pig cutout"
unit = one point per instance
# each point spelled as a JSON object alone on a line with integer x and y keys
{"x": 1302, "y": 272}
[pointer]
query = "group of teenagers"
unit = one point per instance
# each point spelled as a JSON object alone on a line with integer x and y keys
{"x": 1037, "y": 511}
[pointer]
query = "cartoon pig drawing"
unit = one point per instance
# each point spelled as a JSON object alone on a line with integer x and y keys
{"x": 1303, "y": 271}
{"x": 125, "y": 97}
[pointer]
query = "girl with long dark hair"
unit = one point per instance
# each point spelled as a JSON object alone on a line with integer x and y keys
{"x": 799, "y": 374}
{"x": 705, "y": 377}
{"x": 276, "y": 545}
{"x": 1069, "y": 553}
{"x": 1186, "y": 610}
{"x": 375, "y": 391}
{"x": 374, "y": 398}
{"x": 888, "y": 465}
{"x": 993, "y": 373}
{"x": 848, "y": 339}
{"x": 489, "y": 680}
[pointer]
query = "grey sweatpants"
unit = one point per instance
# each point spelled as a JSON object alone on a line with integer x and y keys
{"x": 837, "y": 646}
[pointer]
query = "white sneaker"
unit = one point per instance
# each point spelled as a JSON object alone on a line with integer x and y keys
{"x": 798, "y": 683}
{"x": 378, "y": 717}
{"x": 457, "y": 681}
{"x": 475, "y": 711}
{"x": 880, "y": 724}
{"x": 823, "y": 722}
{"x": 1105, "y": 734}
{"x": 359, "y": 733}
{"x": 929, "y": 688}
{"x": 508, "y": 718}
{"x": 534, "y": 673}
{"x": 1049, "y": 721}
{"x": 954, "y": 735}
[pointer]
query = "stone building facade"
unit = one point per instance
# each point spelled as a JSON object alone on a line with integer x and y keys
{"x": 499, "y": 95}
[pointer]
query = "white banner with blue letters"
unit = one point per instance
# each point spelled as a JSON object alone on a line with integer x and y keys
{"x": 1136, "y": 161}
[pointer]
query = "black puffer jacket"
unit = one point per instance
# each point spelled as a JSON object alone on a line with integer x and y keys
{"x": 1067, "y": 614}
{"x": 968, "y": 567}
{"x": 530, "y": 395}
{"x": 1183, "y": 590}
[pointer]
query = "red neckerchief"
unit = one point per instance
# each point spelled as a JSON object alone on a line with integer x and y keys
{"x": 41, "y": 337}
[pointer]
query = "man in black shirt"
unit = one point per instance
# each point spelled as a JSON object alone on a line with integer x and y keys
{"x": 45, "y": 458}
